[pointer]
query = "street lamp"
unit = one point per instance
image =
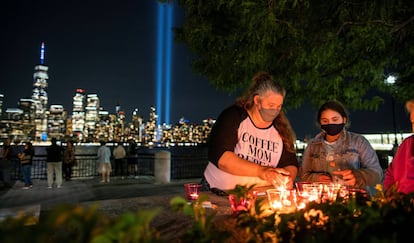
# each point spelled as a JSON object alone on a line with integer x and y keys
{"x": 390, "y": 80}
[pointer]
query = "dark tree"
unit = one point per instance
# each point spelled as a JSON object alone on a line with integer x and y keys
{"x": 317, "y": 49}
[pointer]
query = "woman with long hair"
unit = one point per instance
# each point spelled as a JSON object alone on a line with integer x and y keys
{"x": 252, "y": 142}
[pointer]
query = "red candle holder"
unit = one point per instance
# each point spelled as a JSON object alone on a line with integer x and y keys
{"x": 192, "y": 190}
{"x": 241, "y": 204}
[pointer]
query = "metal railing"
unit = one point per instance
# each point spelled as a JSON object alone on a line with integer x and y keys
{"x": 182, "y": 166}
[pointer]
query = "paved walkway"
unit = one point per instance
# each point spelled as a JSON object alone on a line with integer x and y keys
{"x": 40, "y": 198}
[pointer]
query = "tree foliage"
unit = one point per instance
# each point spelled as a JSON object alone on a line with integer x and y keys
{"x": 317, "y": 49}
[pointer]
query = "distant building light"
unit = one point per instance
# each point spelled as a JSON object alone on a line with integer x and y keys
{"x": 391, "y": 79}
{"x": 14, "y": 110}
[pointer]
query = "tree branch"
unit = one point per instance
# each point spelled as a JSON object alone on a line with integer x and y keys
{"x": 402, "y": 25}
{"x": 382, "y": 22}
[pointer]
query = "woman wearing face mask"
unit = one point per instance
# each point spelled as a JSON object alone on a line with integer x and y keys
{"x": 252, "y": 142}
{"x": 337, "y": 155}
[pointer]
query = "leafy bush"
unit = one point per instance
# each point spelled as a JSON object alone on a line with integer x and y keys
{"x": 382, "y": 218}
{"x": 69, "y": 223}
{"x": 357, "y": 219}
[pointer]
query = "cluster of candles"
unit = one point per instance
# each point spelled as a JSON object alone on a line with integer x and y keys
{"x": 286, "y": 200}
{"x": 281, "y": 198}
{"x": 293, "y": 199}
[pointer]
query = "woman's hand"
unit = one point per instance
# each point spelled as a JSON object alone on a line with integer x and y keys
{"x": 347, "y": 175}
{"x": 279, "y": 177}
{"x": 324, "y": 178}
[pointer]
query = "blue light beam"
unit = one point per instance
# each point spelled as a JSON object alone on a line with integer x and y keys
{"x": 160, "y": 61}
{"x": 164, "y": 55}
{"x": 168, "y": 43}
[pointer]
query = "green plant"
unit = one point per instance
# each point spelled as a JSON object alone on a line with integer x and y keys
{"x": 358, "y": 219}
{"x": 203, "y": 228}
{"x": 71, "y": 223}
{"x": 384, "y": 217}
{"x": 131, "y": 227}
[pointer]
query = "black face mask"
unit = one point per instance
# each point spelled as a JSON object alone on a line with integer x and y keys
{"x": 333, "y": 129}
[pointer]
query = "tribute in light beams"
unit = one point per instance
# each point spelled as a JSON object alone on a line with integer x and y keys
{"x": 168, "y": 43}
{"x": 164, "y": 36}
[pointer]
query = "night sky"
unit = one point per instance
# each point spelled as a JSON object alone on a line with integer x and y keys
{"x": 109, "y": 48}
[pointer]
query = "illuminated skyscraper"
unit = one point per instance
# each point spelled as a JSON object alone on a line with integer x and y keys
{"x": 104, "y": 130}
{"x": 28, "y": 124}
{"x": 56, "y": 121}
{"x": 91, "y": 115}
{"x": 78, "y": 114}
{"x": 39, "y": 96}
{"x": 1, "y": 104}
{"x": 137, "y": 125}
{"x": 117, "y": 108}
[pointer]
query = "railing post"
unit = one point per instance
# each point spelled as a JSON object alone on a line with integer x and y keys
{"x": 162, "y": 166}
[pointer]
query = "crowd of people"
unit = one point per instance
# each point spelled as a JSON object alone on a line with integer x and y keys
{"x": 60, "y": 161}
{"x": 252, "y": 143}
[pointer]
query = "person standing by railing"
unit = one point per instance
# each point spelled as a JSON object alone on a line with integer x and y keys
{"x": 104, "y": 162}
{"x": 16, "y": 149}
{"x": 5, "y": 164}
{"x": 26, "y": 159}
{"x": 119, "y": 154}
{"x": 54, "y": 164}
{"x": 69, "y": 160}
{"x": 132, "y": 160}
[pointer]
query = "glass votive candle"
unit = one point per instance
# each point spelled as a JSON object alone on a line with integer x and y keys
{"x": 312, "y": 192}
{"x": 331, "y": 191}
{"x": 192, "y": 190}
{"x": 275, "y": 198}
{"x": 284, "y": 200}
{"x": 300, "y": 188}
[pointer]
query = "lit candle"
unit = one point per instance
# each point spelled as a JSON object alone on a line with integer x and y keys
{"x": 301, "y": 204}
{"x": 194, "y": 196}
{"x": 192, "y": 190}
{"x": 275, "y": 198}
{"x": 276, "y": 204}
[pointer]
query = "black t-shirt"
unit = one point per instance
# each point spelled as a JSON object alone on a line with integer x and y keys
{"x": 235, "y": 131}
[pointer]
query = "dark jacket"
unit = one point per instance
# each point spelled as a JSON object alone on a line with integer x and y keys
{"x": 54, "y": 153}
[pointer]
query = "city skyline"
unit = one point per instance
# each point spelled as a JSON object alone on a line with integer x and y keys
{"x": 109, "y": 49}
{"x": 108, "y": 66}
